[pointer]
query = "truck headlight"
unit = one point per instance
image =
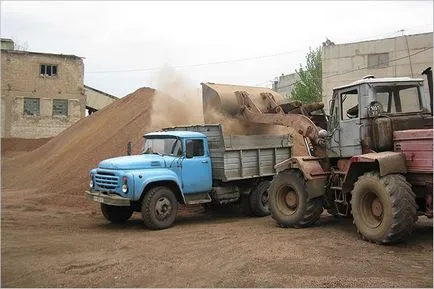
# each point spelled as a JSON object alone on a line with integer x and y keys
{"x": 124, "y": 184}
{"x": 91, "y": 184}
{"x": 124, "y": 188}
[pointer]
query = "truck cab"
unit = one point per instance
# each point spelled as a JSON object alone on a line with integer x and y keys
{"x": 174, "y": 164}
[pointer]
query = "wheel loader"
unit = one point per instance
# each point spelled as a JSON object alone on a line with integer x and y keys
{"x": 370, "y": 159}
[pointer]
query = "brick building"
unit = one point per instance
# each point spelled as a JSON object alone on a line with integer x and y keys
{"x": 41, "y": 93}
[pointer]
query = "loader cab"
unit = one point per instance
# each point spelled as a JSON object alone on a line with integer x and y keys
{"x": 345, "y": 122}
{"x": 364, "y": 114}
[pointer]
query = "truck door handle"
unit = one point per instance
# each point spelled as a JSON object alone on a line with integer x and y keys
{"x": 204, "y": 162}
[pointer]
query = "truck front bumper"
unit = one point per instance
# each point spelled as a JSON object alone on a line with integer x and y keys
{"x": 107, "y": 198}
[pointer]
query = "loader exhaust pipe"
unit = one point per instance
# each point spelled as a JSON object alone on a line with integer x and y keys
{"x": 428, "y": 73}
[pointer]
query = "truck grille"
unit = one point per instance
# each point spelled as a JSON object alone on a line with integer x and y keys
{"x": 106, "y": 180}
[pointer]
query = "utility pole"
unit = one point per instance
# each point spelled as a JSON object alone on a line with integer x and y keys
{"x": 408, "y": 51}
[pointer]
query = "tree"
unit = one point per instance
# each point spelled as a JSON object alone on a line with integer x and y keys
{"x": 309, "y": 88}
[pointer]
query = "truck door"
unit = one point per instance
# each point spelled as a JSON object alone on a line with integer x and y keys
{"x": 196, "y": 167}
{"x": 350, "y": 126}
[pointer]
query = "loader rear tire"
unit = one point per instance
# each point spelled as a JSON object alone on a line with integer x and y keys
{"x": 116, "y": 214}
{"x": 259, "y": 199}
{"x": 289, "y": 203}
{"x": 384, "y": 208}
{"x": 159, "y": 208}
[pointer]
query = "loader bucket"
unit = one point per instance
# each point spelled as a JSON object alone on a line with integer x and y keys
{"x": 221, "y": 98}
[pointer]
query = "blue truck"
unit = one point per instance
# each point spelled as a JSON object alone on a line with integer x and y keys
{"x": 188, "y": 165}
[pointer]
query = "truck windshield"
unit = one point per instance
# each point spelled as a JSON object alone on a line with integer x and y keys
{"x": 399, "y": 98}
{"x": 162, "y": 146}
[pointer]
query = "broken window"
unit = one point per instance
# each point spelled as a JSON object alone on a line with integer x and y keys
{"x": 31, "y": 106}
{"x": 48, "y": 70}
{"x": 349, "y": 104}
{"x": 378, "y": 60}
{"x": 60, "y": 107}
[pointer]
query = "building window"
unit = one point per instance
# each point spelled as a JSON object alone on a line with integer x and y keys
{"x": 60, "y": 107}
{"x": 31, "y": 106}
{"x": 48, "y": 70}
{"x": 378, "y": 60}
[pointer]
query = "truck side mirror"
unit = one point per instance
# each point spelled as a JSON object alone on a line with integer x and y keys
{"x": 129, "y": 148}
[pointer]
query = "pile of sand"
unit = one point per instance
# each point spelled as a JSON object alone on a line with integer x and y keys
{"x": 21, "y": 144}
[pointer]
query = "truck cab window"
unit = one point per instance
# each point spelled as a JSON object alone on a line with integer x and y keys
{"x": 163, "y": 146}
{"x": 195, "y": 146}
{"x": 177, "y": 148}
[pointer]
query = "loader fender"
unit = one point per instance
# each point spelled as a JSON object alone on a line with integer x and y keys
{"x": 384, "y": 162}
{"x": 315, "y": 177}
{"x": 388, "y": 162}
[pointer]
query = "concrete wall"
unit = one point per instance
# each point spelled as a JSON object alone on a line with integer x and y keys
{"x": 285, "y": 84}
{"x": 97, "y": 99}
{"x": 345, "y": 63}
{"x": 20, "y": 78}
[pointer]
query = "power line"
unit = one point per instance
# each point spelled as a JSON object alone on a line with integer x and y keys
{"x": 201, "y": 64}
{"x": 234, "y": 60}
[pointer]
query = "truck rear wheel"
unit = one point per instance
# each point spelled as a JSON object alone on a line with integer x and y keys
{"x": 159, "y": 208}
{"x": 384, "y": 208}
{"x": 259, "y": 199}
{"x": 116, "y": 214}
{"x": 289, "y": 203}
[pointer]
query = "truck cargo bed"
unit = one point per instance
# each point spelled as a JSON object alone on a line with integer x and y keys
{"x": 242, "y": 157}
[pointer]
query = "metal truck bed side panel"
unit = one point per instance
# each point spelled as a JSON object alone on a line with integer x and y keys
{"x": 242, "y": 157}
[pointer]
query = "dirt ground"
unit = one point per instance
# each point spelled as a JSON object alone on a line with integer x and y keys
{"x": 45, "y": 246}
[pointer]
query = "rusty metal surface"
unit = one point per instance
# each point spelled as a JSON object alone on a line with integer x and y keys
{"x": 309, "y": 166}
{"x": 388, "y": 162}
{"x": 417, "y": 146}
{"x": 383, "y": 128}
{"x": 221, "y": 97}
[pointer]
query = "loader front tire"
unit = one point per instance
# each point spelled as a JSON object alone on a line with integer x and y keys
{"x": 384, "y": 208}
{"x": 289, "y": 203}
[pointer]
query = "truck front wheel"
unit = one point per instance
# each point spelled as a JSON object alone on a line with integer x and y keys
{"x": 384, "y": 208}
{"x": 259, "y": 199}
{"x": 289, "y": 202}
{"x": 159, "y": 208}
{"x": 116, "y": 214}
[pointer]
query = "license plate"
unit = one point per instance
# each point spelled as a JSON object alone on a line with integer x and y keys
{"x": 98, "y": 199}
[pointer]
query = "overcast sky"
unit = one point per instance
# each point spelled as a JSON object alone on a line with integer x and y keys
{"x": 140, "y": 38}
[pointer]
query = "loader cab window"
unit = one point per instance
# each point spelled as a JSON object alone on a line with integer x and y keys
{"x": 349, "y": 104}
{"x": 194, "y": 147}
{"x": 399, "y": 98}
